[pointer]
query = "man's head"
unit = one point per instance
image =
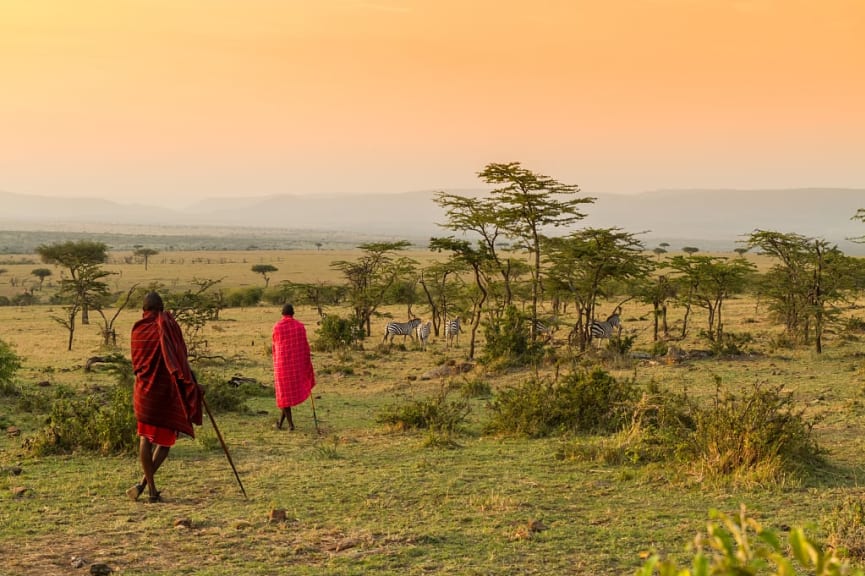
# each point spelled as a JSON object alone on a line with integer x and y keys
{"x": 153, "y": 302}
{"x": 288, "y": 310}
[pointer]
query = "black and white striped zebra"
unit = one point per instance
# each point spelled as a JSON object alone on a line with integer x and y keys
{"x": 605, "y": 329}
{"x": 400, "y": 329}
{"x": 423, "y": 333}
{"x": 452, "y": 331}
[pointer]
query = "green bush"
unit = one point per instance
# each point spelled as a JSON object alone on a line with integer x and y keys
{"x": 583, "y": 402}
{"x": 437, "y": 414}
{"x": 757, "y": 431}
{"x": 731, "y": 344}
{"x": 244, "y": 297}
{"x": 10, "y": 363}
{"x": 336, "y": 333}
{"x": 845, "y": 528}
{"x": 222, "y": 396}
{"x": 508, "y": 341}
{"x": 742, "y": 547}
{"x": 102, "y": 422}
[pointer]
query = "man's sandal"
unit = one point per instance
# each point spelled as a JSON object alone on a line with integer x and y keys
{"x": 135, "y": 491}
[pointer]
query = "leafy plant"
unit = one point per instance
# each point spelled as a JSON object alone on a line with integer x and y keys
{"x": 10, "y": 363}
{"x": 845, "y": 528}
{"x": 336, "y": 333}
{"x": 435, "y": 413}
{"x": 584, "y": 401}
{"x": 760, "y": 428}
{"x": 741, "y": 547}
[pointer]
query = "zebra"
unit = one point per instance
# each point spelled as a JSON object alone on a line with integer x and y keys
{"x": 423, "y": 332}
{"x": 452, "y": 330}
{"x": 605, "y": 329}
{"x": 400, "y": 329}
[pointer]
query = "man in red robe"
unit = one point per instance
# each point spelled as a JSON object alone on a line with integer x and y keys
{"x": 166, "y": 398}
{"x": 293, "y": 375}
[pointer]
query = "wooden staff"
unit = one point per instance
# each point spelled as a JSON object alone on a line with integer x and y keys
{"x": 224, "y": 447}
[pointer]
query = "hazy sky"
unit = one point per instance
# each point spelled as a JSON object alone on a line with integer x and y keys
{"x": 166, "y": 101}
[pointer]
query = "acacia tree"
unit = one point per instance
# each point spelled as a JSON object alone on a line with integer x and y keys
{"x": 265, "y": 270}
{"x": 526, "y": 204}
{"x": 145, "y": 254}
{"x": 810, "y": 277}
{"x": 82, "y": 260}
{"x": 712, "y": 281}
{"x": 86, "y": 292}
{"x": 584, "y": 265}
{"x": 441, "y": 284}
{"x": 478, "y": 260}
{"x": 42, "y": 274}
{"x": 371, "y": 276}
{"x": 478, "y": 216}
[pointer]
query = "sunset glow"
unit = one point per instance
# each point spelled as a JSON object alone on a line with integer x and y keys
{"x": 161, "y": 99}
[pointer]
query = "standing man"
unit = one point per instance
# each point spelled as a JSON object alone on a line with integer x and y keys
{"x": 166, "y": 398}
{"x": 293, "y": 375}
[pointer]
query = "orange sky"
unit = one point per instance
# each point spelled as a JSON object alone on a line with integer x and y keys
{"x": 158, "y": 100}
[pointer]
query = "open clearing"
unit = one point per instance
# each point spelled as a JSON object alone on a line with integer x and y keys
{"x": 361, "y": 498}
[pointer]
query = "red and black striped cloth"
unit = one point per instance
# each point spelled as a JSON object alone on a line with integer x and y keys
{"x": 166, "y": 393}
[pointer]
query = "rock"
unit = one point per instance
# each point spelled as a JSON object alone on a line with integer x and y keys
{"x": 183, "y": 523}
{"x": 18, "y": 491}
{"x": 78, "y": 562}
{"x": 13, "y": 431}
{"x": 100, "y": 569}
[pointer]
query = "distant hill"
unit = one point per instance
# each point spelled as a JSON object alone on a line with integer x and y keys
{"x": 705, "y": 218}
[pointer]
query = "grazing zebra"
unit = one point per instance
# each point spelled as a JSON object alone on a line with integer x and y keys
{"x": 452, "y": 331}
{"x": 423, "y": 332}
{"x": 400, "y": 329}
{"x": 605, "y": 329}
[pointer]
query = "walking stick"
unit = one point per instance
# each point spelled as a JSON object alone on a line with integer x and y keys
{"x": 224, "y": 447}
{"x": 314, "y": 417}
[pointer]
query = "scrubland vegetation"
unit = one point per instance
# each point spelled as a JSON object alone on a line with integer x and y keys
{"x": 719, "y": 429}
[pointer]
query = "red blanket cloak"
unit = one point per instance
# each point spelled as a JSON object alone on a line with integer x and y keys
{"x": 166, "y": 393}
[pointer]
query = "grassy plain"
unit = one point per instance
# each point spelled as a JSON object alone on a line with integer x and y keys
{"x": 361, "y": 498}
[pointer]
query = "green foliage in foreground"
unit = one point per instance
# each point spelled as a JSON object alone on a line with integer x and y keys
{"x": 10, "y": 363}
{"x": 742, "y": 547}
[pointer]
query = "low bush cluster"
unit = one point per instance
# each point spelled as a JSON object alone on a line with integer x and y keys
{"x": 336, "y": 333}
{"x": 102, "y": 422}
{"x": 10, "y": 363}
{"x": 437, "y": 413}
{"x": 584, "y": 401}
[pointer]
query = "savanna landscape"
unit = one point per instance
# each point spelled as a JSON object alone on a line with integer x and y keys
{"x": 422, "y": 460}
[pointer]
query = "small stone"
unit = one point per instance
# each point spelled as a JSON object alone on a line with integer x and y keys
{"x": 100, "y": 569}
{"x": 13, "y": 431}
{"x": 183, "y": 523}
{"x": 18, "y": 491}
{"x": 78, "y": 562}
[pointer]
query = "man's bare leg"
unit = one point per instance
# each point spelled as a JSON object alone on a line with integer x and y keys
{"x": 286, "y": 413}
{"x": 151, "y": 456}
